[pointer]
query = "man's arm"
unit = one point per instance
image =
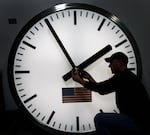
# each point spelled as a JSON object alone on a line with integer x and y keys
{"x": 103, "y": 88}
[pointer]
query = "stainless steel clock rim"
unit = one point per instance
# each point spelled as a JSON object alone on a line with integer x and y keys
{"x": 41, "y": 15}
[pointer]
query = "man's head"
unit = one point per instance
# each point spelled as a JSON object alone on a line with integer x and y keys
{"x": 118, "y": 62}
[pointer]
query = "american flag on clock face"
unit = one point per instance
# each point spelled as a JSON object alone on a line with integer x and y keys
{"x": 78, "y": 94}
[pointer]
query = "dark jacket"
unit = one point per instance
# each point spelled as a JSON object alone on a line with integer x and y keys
{"x": 131, "y": 96}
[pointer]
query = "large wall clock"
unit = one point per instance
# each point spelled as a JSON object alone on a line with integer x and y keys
{"x": 48, "y": 47}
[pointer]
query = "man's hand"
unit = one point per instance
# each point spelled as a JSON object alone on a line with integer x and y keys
{"x": 87, "y": 76}
{"x": 76, "y": 76}
{"x": 82, "y": 76}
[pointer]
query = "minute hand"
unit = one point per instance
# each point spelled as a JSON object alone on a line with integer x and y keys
{"x": 90, "y": 60}
{"x": 59, "y": 43}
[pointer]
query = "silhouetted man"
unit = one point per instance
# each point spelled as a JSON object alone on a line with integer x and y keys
{"x": 131, "y": 98}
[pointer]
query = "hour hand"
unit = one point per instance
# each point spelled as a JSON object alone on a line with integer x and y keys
{"x": 90, "y": 60}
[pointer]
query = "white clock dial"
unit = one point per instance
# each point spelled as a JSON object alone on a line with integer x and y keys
{"x": 37, "y": 65}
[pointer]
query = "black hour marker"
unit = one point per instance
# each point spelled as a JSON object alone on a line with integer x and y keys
{"x": 22, "y": 72}
{"x": 131, "y": 69}
{"x": 50, "y": 117}
{"x": 102, "y": 23}
{"x": 122, "y": 42}
{"x": 77, "y": 121}
{"x": 30, "y": 98}
{"x": 28, "y": 44}
{"x": 75, "y": 17}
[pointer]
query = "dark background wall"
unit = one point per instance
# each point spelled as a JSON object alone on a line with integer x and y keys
{"x": 135, "y": 14}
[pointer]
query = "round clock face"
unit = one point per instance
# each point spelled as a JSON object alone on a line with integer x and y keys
{"x": 49, "y": 47}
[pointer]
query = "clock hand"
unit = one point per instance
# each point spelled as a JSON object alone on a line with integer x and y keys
{"x": 89, "y": 61}
{"x": 59, "y": 43}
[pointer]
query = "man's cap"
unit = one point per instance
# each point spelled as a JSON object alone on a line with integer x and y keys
{"x": 118, "y": 56}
